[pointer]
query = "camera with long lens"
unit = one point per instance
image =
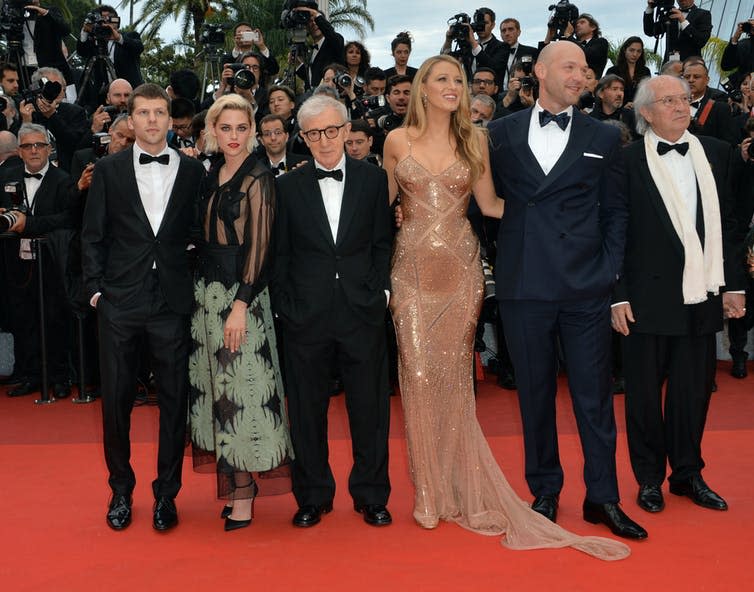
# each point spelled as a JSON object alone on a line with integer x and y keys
{"x": 734, "y": 92}
{"x": 563, "y": 14}
{"x": 242, "y": 78}
{"x": 46, "y": 89}
{"x": 295, "y": 21}
{"x": 373, "y": 107}
{"x": 459, "y": 28}
{"x": 100, "y": 144}
{"x": 343, "y": 80}
{"x": 14, "y": 190}
{"x": 13, "y": 15}
{"x": 213, "y": 34}
{"x": 99, "y": 24}
{"x": 389, "y": 121}
{"x": 528, "y": 83}
{"x": 586, "y": 100}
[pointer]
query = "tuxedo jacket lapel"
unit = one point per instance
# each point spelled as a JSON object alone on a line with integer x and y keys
{"x": 313, "y": 200}
{"x": 132, "y": 188}
{"x": 350, "y": 202}
{"x": 520, "y": 146}
{"x": 181, "y": 190}
{"x": 583, "y": 129}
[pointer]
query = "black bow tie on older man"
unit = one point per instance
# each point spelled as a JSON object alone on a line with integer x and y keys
{"x": 664, "y": 148}
{"x": 336, "y": 174}
{"x": 561, "y": 119}
{"x": 161, "y": 159}
{"x": 32, "y": 175}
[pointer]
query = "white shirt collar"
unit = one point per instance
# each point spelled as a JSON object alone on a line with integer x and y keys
{"x": 42, "y": 171}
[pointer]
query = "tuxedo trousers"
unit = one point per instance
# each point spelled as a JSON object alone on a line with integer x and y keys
{"x": 338, "y": 339}
{"x": 532, "y": 330}
{"x": 146, "y": 321}
{"x": 670, "y": 430}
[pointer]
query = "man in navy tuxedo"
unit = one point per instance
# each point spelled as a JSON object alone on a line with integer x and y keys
{"x": 560, "y": 249}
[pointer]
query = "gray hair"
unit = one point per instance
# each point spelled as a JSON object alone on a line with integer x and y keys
{"x": 45, "y": 73}
{"x": 32, "y": 128}
{"x": 645, "y": 96}
{"x": 486, "y": 100}
{"x": 328, "y": 91}
{"x": 120, "y": 119}
{"x": 607, "y": 81}
{"x": 315, "y": 104}
{"x": 8, "y": 142}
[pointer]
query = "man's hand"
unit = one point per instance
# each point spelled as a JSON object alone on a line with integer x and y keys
{"x": 621, "y": 315}
{"x": 85, "y": 180}
{"x": 734, "y": 305}
{"x": 99, "y": 118}
{"x": 676, "y": 15}
{"x": 26, "y": 110}
{"x": 38, "y": 9}
{"x": 114, "y": 32}
{"x": 20, "y": 224}
{"x": 745, "y": 149}
{"x": 46, "y": 108}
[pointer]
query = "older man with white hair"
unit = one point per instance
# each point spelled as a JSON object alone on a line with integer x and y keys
{"x": 680, "y": 273}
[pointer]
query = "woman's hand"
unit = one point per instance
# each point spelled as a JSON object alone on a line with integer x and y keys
{"x": 235, "y": 326}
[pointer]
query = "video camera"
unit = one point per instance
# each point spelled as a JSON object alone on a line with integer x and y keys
{"x": 13, "y": 15}
{"x": 100, "y": 144}
{"x": 213, "y": 34}
{"x": 295, "y": 21}
{"x": 563, "y": 14}
{"x": 460, "y": 23}
{"x": 47, "y": 89}
{"x": 99, "y": 23}
{"x": 242, "y": 78}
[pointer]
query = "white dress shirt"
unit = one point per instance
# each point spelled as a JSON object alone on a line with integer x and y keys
{"x": 32, "y": 185}
{"x": 332, "y": 195}
{"x": 155, "y": 183}
{"x": 682, "y": 173}
{"x": 548, "y": 143}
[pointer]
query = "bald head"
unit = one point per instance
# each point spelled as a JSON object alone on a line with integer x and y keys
{"x": 8, "y": 145}
{"x": 559, "y": 50}
{"x": 561, "y": 70}
{"x": 118, "y": 93}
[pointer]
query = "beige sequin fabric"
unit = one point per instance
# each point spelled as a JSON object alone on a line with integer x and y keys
{"x": 436, "y": 295}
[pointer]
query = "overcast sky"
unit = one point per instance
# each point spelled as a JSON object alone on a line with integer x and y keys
{"x": 427, "y": 22}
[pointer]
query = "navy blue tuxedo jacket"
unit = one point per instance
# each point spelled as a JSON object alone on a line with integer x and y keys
{"x": 562, "y": 235}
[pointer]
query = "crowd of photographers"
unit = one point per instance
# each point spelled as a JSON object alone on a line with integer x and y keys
{"x": 57, "y": 122}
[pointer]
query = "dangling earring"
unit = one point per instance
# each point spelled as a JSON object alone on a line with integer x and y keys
{"x": 425, "y": 99}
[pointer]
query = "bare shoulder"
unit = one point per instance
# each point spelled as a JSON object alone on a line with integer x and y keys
{"x": 397, "y": 144}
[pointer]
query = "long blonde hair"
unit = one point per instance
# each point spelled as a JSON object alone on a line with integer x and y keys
{"x": 468, "y": 136}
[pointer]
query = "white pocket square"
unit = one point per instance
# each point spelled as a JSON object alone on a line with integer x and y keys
{"x": 591, "y": 155}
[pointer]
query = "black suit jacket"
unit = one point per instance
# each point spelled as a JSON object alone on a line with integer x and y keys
{"x": 495, "y": 56}
{"x": 126, "y": 56}
{"x": 49, "y": 32}
{"x": 521, "y": 51}
{"x": 719, "y": 123}
{"x": 688, "y": 42}
{"x": 595, "y": 51}
{"x": 69, "y": 125}
{"x": 307, "y": 259}
{"x": 118, "y": 245}
{"x": 653, "y": 264}
{"x": 291, "y": 160}
{"x": 740, "y": 57}
{"x": 332, "y": 51}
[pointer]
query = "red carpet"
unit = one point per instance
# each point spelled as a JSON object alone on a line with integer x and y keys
{"x": 54, "y": 536}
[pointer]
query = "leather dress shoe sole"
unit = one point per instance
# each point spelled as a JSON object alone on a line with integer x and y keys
{"x": 700, "y": 494}
{"x": 547, "y": 505}
{"x": 309, "y": 515}
{"x": 165, "y": 515}
{"x": 650, "y": 498}
{"x": 614, "y": 518}
{"x": 374, "y": 514}
{"x": 119, "y": 512}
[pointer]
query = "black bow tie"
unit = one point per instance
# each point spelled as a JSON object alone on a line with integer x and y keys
{"x": 695, "y": 104}
{"x": 336, "y": 174}
{"x": 30, "y": 175}
{"x": 278, "y": 169}
{"x": 664, "y": 148}
{"x": 147, "y": 158}
{"x": 561, "y": 119}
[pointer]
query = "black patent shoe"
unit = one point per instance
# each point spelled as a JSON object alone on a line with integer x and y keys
{"x": 226, "y": 511}
{"x": 738, "y": 369}
{"x": 650, "y": 498}
{"x": 119, "y": 512}
{"x": 231, "y": 524}
{"x": 374, "y": 514}
{"x": 699, "y": 492}
{"x": 614, "y": 518}
{"x": 547, "y": 505}
{"x": 310, "y": 515}
{"x": 165, "y": 514}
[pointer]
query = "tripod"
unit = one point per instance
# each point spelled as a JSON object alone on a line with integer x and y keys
{"x": 105, "y": 65}
{"x": 16, "y": 56}
{"x": 212, "y": 68}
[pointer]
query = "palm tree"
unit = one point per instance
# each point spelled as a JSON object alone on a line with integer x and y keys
{"x": 191, "y": 14}
{"x": 351, "y": 14}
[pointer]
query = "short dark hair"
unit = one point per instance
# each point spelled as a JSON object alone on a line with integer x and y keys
{"x": 269, "y": 118}
{"x": 374, "y": 73}
{"x": 593, "y": 22}
{"x": 485, "y": 10}
{"x": 185, "y": 83}
{"x": 281, "y": 87}
{"x": 510, "y": 19}
{"x": 402, "y": 37}
{"x": 241, "y": 24}
{"x": 181, "y": 108}
{"x": 107, "y": 8}
{"x": 395, "y": 80}
{"x": 488, "y": 71}
{"x": 197, "y": 123}
{"x": 360, "y": 125}
{"x": 608, "y": 80}
{"x": 150, "y": 91}
{"x": 4, "y": 66}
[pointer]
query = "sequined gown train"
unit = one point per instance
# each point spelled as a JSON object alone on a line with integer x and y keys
{"x": 437, "y": 290}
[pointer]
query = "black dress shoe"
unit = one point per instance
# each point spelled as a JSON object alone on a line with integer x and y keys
{"x": 650, "y": 498}
{"x": 165, "y": 514}
{"x": 13, "y": 379}
{"x": 374, "y": 514}
{"x": 61, "y": 391}
{"x": 738, "y": 369}
{"x": 226, "y": 511}
{"x": 119, "y": 512}
{"x": 231, "y": 524}
{"x": 25, "y": 388}
{"x": 547, "y": 505}
{"x": 310, "y": 515}
{"x": 505, "y": 380}
{"x": 699, "y": 492}
{"x": 614, "y": 518}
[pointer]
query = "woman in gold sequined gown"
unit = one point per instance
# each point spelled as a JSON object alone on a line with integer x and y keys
{"x": 434, "y": 163}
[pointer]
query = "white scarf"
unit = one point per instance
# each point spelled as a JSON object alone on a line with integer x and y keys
{"x": 702, "y": 268}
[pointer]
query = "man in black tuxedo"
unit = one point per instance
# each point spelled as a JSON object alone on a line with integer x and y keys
{"x": 687, "y": 30}
{"x": 273, "y": 137}
{"x": 49, "y": 196}
{"x": 559, "y": 250}
{"x": 486, "y": 50}
{"x": 44, "y": 32}
{"x": 708, "y": 116}
{"x": 123, "y": 48}
{"x": 510, "y": 31}
{"x": 739, "y": 53}
{"x": 137, "y": 225}
{"x": 330, "y": 289}
{"x": 327, "y": 47}
{"x": 682, "y": 251}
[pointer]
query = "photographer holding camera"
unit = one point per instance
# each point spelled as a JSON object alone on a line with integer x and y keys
{"x": 739, "y": 53}
{"x": 245, "y": 77}
{"x": 249, "y": 39}
{"x": 327, "y": 44}
{"x": 487, "y": 50}
{"x": 688, "y": 28}
{"x": 101, "y": 35}
{"x": 522, "y": 86}
{"x": 41, "y": 37}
